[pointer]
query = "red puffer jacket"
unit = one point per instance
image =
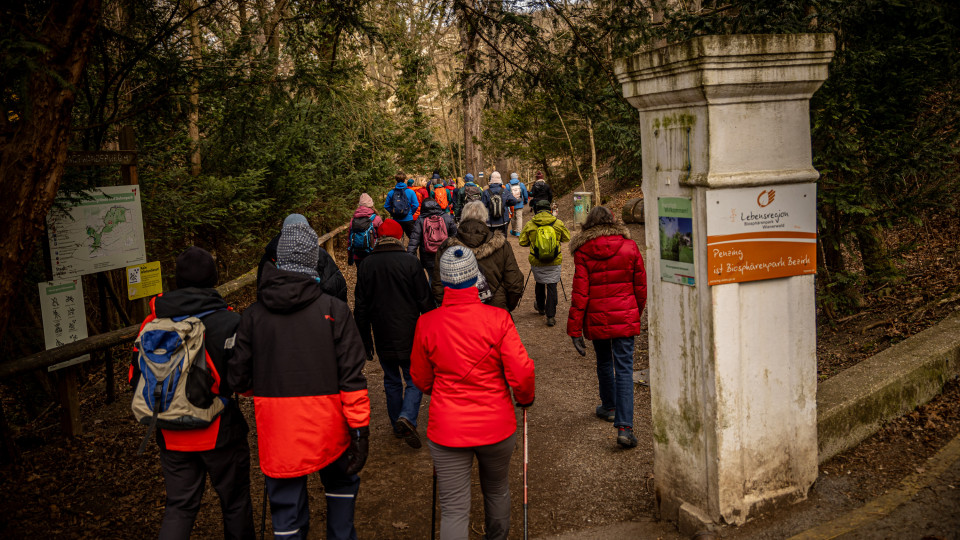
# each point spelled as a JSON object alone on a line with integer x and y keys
{"x": 609, "y": 285}
{"x": 467, "y": 373}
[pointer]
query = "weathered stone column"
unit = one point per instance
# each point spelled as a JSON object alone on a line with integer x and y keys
{"x": 733, "y": 365}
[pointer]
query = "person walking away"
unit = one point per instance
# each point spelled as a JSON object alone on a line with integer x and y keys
{"x": 402, "y": 204}
{"x": 469, "y": 193}
{"x": 441, "y": 195}
{"x": 391, "y": 294}
{"x": 299, "y": 351}
{"x": 331, "y": 279}
{"x": 498, "y": 201}
{"x": 540, "y": 191}
{"x": 430, "y": 231}
{"x": 363, "y": 231}
{"x": 502, "y": 285}
{"x": 544, "y": 234}
{"x": 519, "y": 192}
{"x": 469, "y": 376}
{"x": 219, "y": 450}
{"x": 450, "y": 186}
{"x": 609, "y": 293}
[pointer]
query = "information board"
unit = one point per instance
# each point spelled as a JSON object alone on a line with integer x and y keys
{"x": 761, "y": 233}
{"x": 102, "y": 232}
{"x": 143, "y": 280}
{"x": 676, "y": 240}
{"x": 64, "y": 317}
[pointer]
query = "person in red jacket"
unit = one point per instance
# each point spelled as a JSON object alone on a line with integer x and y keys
{"x": 469, "y": 376}
{"x": 300, "y": 352}
{"x": 609, "y": 293}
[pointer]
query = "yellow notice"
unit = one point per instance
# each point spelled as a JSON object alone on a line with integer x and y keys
{"x": 143, "y": 280}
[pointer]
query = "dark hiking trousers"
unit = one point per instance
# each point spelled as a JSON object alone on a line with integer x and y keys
{"x": 546, "y": 298}
{"x": 184, "y": 474}
{"x": 291, "y": 514}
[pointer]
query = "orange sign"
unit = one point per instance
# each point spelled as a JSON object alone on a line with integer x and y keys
{"x": 761, "y": 233}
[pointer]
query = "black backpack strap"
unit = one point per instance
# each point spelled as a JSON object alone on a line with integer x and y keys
{"x": 153, "y": 420}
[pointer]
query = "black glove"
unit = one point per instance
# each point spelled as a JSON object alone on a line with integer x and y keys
{"x": 357, "y": 452}
{"x": 580, "y": 345}
{"x": 369, "y": 355}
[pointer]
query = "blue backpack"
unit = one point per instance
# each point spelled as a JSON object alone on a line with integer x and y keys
{"x": 400, "y": 206}
{"x": 362, "y": 236}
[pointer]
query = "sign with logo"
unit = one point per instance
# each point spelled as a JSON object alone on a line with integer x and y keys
{"x": 143, "y": 280}
{"x": 761, "y": 233}
{"x": 64, "y": 318}
{"x": 676, "y": 240}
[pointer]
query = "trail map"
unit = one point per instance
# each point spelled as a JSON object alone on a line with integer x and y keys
{"x": 102, "y": 232}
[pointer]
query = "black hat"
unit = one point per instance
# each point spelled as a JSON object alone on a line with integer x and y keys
{"x": 541, "y": 205}
{"x": 196, "y": 268}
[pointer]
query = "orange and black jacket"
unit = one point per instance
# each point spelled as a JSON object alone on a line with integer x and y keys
{"x": 299, "y": 351}
{"x": 220, "y": 326}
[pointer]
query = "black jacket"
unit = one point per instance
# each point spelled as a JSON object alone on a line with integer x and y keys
{"x": 331, "y": 280}
{"x": 220, "y": 326}
{"x": 392, "y": 292}
{"x": 429, "y": 208}
{"x": 540, "y": 191}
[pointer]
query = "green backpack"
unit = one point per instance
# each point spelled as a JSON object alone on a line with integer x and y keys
{"x": 546, "y": 247}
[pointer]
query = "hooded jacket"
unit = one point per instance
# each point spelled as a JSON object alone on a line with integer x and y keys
{"x": 469, "y": 374}
{"x": 524, "y": 196}
{"x": 494, "y": 257}
{"x": 430, "y": 208}
{"x": 391, "y": 294}
{"x": 411, "y": 198}
{"x": 508, "y": 202}
{"x": 609, "y": 284}
{"x": 528, "y": 236}
{"x": 331, "y": 279}
{"x": 360, "y": 213}
{"x": 540, "y": 191}
{"x": 461, "y": 197}
{"x": 219, "y": 326}
{"x": 299, "y": 351}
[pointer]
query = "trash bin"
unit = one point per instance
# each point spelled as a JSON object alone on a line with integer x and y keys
{"x": 582, "y": 204}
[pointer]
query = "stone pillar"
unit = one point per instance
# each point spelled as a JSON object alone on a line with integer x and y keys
{"x": 733, "y": 366}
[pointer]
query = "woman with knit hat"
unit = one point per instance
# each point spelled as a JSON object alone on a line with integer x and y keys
{"x": 469, "y": 376}
{"x": 498, "y": 201}
{"x": 363, "y": 230}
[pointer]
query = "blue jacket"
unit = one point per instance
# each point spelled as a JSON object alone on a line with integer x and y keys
{"x": 508, "y": 203}
{"x": 524, "y": 196}
{"x": 411, "y": 196}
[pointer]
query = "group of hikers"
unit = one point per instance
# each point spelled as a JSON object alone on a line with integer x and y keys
{"x": 300, "y": 353}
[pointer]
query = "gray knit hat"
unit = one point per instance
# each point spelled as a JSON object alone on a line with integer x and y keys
{"x": 298, "y": 249}
{"x": 458, "y": 268}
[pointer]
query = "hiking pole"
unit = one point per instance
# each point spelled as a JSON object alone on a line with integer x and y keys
{"x": 263, "y": 513}
{"x": 433, "y": 507}
{"x": 525, "y": 459}
{"x": 564, "y": 290}
{"x": 530, "y": 273}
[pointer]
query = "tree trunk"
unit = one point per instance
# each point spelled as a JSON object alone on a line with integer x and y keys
{"x": 473, "y": 160}
{"x": 33, "y": 158}
{"x": 193, "y": 115}
{"x": 876, "y": 264}
{"x": 593, "y": 165}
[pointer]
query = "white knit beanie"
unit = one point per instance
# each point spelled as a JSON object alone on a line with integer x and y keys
{"x": 495, "y": 178}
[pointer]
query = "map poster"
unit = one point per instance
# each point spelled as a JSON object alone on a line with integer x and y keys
{"x": 676, "y": 240}
{"x": 64, "y": 317}
{"x": 761, "y": 232}
{"x": 101, "y": 232}
{"x": 143, "y": 280}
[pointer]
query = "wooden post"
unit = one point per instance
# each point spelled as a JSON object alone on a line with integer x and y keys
{"x": 105, "y": 327}
{"x": 68, "y": 387}
{"x": 329, "y": 246}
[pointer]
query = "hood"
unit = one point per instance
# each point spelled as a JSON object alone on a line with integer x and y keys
{"x": 613, "y": 237}
{"x": 478, "y": 237}
{"x": 363, "y": 211}
{"x": 543, "y": 218}
{"x": 430, "y": 207}
{"x": 188, "y": 301}
{"x": 402, "y": 185}
{"x": 282, "y": 291}
{"x": 514, "y": 181}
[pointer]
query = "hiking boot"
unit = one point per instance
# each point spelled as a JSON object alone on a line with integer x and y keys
{"x": 625, "y": 437}
{"x": 409, "y": 432}
{"x": 540, "y": 310}
{"x": 606, "y": 414}
{"x": 551, "y": 321}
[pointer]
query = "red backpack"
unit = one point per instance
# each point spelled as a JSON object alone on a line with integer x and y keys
{"x": 434, "y": 233}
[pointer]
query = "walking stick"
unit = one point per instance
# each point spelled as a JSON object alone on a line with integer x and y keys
{"x": 530, "y": 273}
{"x": 525, "y": 459}
{"x": 564, "y": 290}
{"x": 263, "y": 513}
{"x": 433, "y": 508}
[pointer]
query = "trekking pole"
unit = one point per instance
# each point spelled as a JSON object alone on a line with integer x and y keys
{"x": 263, "y": 513}
{"x": 525, "y": 459}
{"x": 433, "y": 508}
{"x": 564, "y": 290}
{"x": 530, "y": 273}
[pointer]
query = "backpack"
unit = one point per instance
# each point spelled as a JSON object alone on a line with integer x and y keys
{"x": 483, "y": 287}
{"x": 440, "y": 195}
{"x": 178, "y": 382}
{"x": 517, "y": 192}
{"x": 434, "y": 233}
{"x": 362, "y": 236}
{"x": 495, "y": 205}
{"x": 400, "y": 206}
{"x": 546, "y": 247}
{"x": 472, "y": 193}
